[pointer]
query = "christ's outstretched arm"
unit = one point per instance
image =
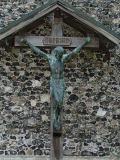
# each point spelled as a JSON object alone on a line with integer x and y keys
{"x": 36, "y": 50}
{"x": 76, "y": 51}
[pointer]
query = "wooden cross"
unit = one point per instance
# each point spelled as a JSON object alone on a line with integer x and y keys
{"x": 56, "y": 39}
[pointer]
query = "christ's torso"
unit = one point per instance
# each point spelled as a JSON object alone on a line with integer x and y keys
{"x": 57, "y": 68}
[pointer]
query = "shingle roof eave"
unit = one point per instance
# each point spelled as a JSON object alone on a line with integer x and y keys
{"x": 25, "y": 17}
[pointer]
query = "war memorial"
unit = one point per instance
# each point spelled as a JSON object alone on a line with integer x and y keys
{"x": 59, "y": 83}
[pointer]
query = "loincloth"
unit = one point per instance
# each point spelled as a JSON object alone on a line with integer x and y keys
{"x": 57, "y": 88}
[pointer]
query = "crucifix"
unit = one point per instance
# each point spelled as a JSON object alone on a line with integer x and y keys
{"x": 56, "y": 61}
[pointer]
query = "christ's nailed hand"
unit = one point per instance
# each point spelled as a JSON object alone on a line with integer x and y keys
{"x": 88, "y": 39}
{"x": 23, "y": 41}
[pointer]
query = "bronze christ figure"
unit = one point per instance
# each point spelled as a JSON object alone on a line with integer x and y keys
{"x": 56, "y": 61}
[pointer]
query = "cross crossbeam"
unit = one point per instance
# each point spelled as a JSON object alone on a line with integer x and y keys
{"x": 48, "y": 41}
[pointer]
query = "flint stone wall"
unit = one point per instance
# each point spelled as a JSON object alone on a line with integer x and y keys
{"x": 91, "y": 105}
{"x": 47, "y": 158}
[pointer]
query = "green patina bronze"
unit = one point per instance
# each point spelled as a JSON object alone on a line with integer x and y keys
{"x": 57, "y": 86}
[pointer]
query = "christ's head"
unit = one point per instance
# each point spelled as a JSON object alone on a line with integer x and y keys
{"x": 58, "y": 52}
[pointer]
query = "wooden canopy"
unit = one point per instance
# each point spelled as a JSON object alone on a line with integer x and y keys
{"x": 74, "y": 17}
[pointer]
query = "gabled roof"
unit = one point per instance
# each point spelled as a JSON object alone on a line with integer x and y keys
{"x": 78, "y": 14}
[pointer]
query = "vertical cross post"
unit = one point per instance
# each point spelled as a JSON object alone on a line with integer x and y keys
{"x": 56, "y": 137}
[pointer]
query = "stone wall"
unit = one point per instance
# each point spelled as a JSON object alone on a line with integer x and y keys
{"x": 47, "y": 158}
{"x": 92, "y": 96}
{"x": 91, "y": 107}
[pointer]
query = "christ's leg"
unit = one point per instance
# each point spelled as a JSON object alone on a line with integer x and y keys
{"x": 57, "y": 117}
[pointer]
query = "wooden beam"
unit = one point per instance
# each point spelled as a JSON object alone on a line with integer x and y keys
{"x": 56, "y": 39}
{"x": 48, "y": 41}
{"x": 57, "y": 27}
